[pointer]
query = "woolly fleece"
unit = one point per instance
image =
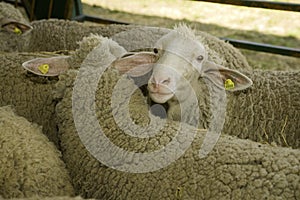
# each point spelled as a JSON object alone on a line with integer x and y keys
{"x": 269, "y": 111}
{"x": 11, "y": 41}
{"x": 30, "y": 163}
{"x": 258, "y": 113}
{"x": 48, "y": 198}
{"x": 29, "y": 95}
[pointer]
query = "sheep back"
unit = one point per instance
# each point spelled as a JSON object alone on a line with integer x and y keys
{"x": 30, "y": 163}
{"x": 269, "y": 111}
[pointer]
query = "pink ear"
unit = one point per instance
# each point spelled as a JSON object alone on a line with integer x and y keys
{"x": 228, "y": 79}
{"x": 52, "y": 66}
{"x": 14, "y": 26}
{"x": 135, "y": 64}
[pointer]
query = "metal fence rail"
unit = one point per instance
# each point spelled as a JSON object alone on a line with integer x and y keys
{"x": 264, "y": 47}
{"x": 295, "y": 7}
{"x": 259, "y": 4}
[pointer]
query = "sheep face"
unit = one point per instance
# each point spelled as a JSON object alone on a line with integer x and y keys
{"x": 179, "y": 61}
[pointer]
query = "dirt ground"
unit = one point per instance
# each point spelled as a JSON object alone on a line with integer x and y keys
{"x": 245, "y": 25}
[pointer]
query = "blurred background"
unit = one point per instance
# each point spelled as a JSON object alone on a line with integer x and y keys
{"x": 260, "y": 25}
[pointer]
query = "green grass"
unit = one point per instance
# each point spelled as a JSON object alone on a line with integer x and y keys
{"x": 253, "y": 24}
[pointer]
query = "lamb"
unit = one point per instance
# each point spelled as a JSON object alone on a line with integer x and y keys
{"x": 234, "y": 169}
{"x": 269, "y": 110}
{"x": 30, "y": 164}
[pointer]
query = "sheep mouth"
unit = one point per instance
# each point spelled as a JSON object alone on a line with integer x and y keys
{"x": 162, "y": 93}
{"x": 159, "y": 97}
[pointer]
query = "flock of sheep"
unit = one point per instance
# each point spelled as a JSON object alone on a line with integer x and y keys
{"x": 49, "y": 143}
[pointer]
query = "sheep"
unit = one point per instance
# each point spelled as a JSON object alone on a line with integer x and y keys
{"x": 30, "y": 164}
{"x": 123, "y": 34}
{"x": 260, "y": 126}
{"x": 234, "y": 169}
{"x": 266, "y": 112}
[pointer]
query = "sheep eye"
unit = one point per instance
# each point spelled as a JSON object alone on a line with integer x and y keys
{"x": 200, "y": 58}
{"x": 155, "y": 50}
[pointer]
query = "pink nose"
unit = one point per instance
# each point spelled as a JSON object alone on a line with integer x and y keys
{"x": 161, "y": 81}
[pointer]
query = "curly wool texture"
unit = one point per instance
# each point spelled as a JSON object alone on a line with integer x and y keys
{"x": 49, "y": 198}
{"x": 235, "y": 168}
{"x": 269, "y": 111}
{"x": 30, "y": 163}
{"x": 9, "y": 11}
{"x": 30, "y": 95}
{"x": 259, "y": 113}
{"x": 64, "y": 34}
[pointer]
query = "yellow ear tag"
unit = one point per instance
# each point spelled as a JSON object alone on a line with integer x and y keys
{"x": 17, "y": 31}
{"x": 44, "y": 68}
{"x": 229, "y": 84}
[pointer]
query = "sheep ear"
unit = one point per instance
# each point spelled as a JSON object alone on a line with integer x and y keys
{"x": 222, "y": 77}
{"x": 135, "y": 64}
{"x": 14, "y": 26}
{"x": 52, "y": 66}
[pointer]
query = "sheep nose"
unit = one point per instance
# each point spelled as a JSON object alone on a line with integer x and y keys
{"x": 157, "y": 82}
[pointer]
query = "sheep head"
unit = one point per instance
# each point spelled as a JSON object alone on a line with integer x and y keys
{"x": 14, "y": 26}
{"x": 178, "y": 59}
